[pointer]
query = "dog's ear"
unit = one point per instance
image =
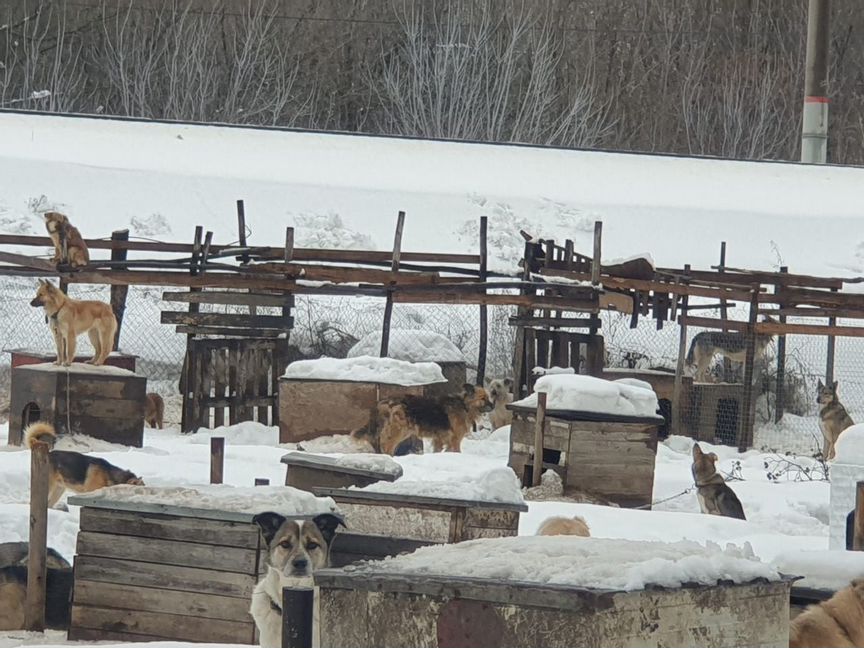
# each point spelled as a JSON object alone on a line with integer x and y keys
{"x": 820, "y": 385}
{"x": 327, "y": 523}
{"x": 508, "y": 382}
{"x": 697, "y": 451}
{"x": 469, "y": 389}
{"x": 269, "y": 524}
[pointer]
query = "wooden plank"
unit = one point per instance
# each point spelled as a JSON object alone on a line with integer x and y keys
{"x": 276, "y": 322}
{"x": 119, "y": 293}
{"x": 492, "y": 519}
{"x": 388, "y": 306}
{"x": 100, "y": 635}
{"x": 220, "y": 376}
{"x": 712, "y": 323}
{"x": 484, "y": 315}
{"x": 746, "y": 416}
{"x": 37, "y": 568}
{"x": 555, "y": 322}
{"x": 595, "y": 261}
{"x": 858, "y": 528}
{"x": 776, "y": 328}
{"x": 230, "y": 332}
{"x": 814, "y": 312}
{"x": 539, "y": 425}
{"x": 174, "y": 626}
{"x": 170, "y": 552}
{"x": 412, "y": 501}
{"x": 28, "y": 261}
{"x": 819, "y": 298}
{"x": 442, "y": 296}
{"x": 167, "y": 527}
{"x": 170, "y": 577}
{"x": 226, "y": 298}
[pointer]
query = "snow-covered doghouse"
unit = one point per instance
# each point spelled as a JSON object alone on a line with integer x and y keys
{"x": 174, "y": 563}
{"x": 552, "y": 592}
{"x": 420, "y": 346}
{"x": 335, "y": 395}
{"x": 600, "y": 436}
{"x": 846, "y": 471}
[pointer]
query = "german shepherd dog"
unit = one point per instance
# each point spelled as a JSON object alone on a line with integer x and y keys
{"x": 837, "y": 622}
{"x": 833, "y": 417}
{"x": 732, "y": 345}
{"x": 69, "y": 318}
{"x": 445, "y": 419}
{"x": 154, "y": 410}
{"x": 715, "y": 496}
{"x": 77, "y": 472}
{"x": 16, "y": 553}
{"x": 69, "y": 246}
{"x": 13, "y": 587}
{"x": 295, "y": 549}
{"x": 499, "y": 396}
{"x": 559, "y": 525}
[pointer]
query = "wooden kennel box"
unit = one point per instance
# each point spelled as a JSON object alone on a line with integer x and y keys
{"x": 103, "y": 402}
{"x": 424, "y": 611}
{"x": 151, "y": 572}
{"x": 314, "y": 408}
{"x": 308, "y": 471}
{"x": 611, "y": 457}
{"x": 385, "y": 524}
{"x": 22, "y": 357}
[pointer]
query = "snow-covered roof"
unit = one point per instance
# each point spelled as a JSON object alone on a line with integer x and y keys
{"x": 410, "y": 345}
{"x": 366, "y": 369}
{"x": 577, "y": 393}
{"x": 849, "y": 447}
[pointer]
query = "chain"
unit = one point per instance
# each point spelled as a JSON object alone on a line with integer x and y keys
{"x": 665, "y": 499}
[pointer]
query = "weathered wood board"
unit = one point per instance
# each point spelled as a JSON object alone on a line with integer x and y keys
{"x": 308, "y": 471}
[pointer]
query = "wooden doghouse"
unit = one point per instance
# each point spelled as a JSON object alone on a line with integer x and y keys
{"x": 309, "y": 409}
{"x": 103, "y": 402}
{"x": 717, "y": 409}
{"x": 385, "y": 524}
{"x": 425, "y": 611}
{"x": 600, "y": 454}
{"x": 663, "y": 384}
{"x": 308, "y": 471}
{"x": 22, "y": 357}
{"x": 151, "y": 572}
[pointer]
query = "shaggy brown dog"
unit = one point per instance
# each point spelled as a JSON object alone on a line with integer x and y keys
{"x": 69, "y": 246}
{"x": 835, "y": 623}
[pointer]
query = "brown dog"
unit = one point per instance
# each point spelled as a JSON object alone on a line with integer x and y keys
{"x": 446, "y": 419}
{"x": 714, "y": 494}
{"x": 78, "y": 472}
{"x": 69, "y": 246}
{"x": 558, "y": 525}
{"x": 69, "y": 318}
{"x": 154, "y": 410}
{"x": 837, "y": 622}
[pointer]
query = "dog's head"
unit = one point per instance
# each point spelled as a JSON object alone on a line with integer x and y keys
{"x": 826, "y": 394}
{"x": 54, "y": 221}
{"x": 46, "y": 293}
{"x": 476, "y": 398}
{"x": 498, "y": 389}
{"x": 703, "y": 462}
{"x": 298, "y": 548}
{"x": 130, "y": 478}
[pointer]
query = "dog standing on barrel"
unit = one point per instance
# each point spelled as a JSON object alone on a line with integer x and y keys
{"x": 68, "y": 318}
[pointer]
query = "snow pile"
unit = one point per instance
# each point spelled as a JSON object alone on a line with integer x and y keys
{"x": 221, "y": 497}
{"x": 369, "y": 461}
{"x": 634, "y": 382}
{"x": 596, "y": 563}
{"x": 645, "y": 256}
{"x": 335, "y": 444}
{"x": 366, "y": 369}
{"x": 245, "y": 433}
{"x": 850, "y": 446}
{"x": 588, "y": 394}
{"x": 496, "y": 485}
{"x": 82, "y": 368}
{"x": 552, "y": 371}
{"x": 410, "y": 346}
{"x": 831, "y": 570}
{"x": 315, "y": 230}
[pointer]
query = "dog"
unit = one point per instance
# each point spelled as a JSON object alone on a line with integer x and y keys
{"x": 13, "y": 596}
{"x": 833, "y": 417}
{"x": 444, "y": 419}
{"x": 69, "y": 246}
{"x": 558, "y": 525}
{"x": 69, "y": 318}
{"x": 499, "y": 396}
{"x": 732, "y": 345}
{"x": 154, "y": 410}
{"x": 836, "y": 623}
{"x": 74, "y": 471}
{"x": 16, "y": 553}
{"x": 715, "y": 496}
{"x": 295, "y": 549}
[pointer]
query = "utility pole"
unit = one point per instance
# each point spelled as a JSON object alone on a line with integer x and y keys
{"x": 814, "y": 135}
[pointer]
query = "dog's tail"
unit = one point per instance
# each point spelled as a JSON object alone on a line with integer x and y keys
{"x": 40, "y": 432}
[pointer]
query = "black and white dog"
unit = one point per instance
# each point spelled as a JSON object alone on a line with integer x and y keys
{"x": 295, "y": 549}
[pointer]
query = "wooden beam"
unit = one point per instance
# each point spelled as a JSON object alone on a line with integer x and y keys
{"x": 226, "y": 298}
{"x": 555, "y": 322}
{"x": 230, "y": 332}
{"x": 813, "y": 312}
{"x": 832, "y": 345}
{"x": 780, "y": 400}
{"x": 388, "y": 306}
{"x": 746, "y": 417}
{"x": 241, "y": 228}
{"x": 677, "y": 389}
{"x": 712, "y": 323}
{"x": 119, "y": 293}
{"x": 776, "y": 328}
{"x": 596, "y": 261}
{"x": 858, "y": 532}
{"x": 217, "y": 459}
{"x": 352, "y": 275}
{"x": 288, "y": 257}
{"x": 409, "y": 296}
{"x": 484, "y": 315}
{"x": 740, "y": 275}
{"x": 28, "y": 261}
{"x": 820, "y": 298}
{"x": 210, "y": 280}
{"x": 298, "y": 605}
{"x": 37, "y": 570}
{"x": 539, "y": 432}
{"x": 255, "y": 322}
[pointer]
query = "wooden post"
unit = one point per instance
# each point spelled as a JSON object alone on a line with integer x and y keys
{"x": 780, "y": 401}
{"x": 677, "y": 418}
{"x": 241, "y": 229}
{"x": 297, "y": 617}
{"x": 119, "y": 293}
{"x": 394, "y": 266}
{"x": 217, "y": 459}
{"x": 829, "y": 359}
{"x": 261, "y": 481}
{"x": 858, "y": 534}
{"x": 484, "y": 315}
{"x": 289, "y": 244}
{"x": 746, "y": 416}
{"x": 37, "y": 570}
{"x": 595, "y": 264}
{"x": 539, "y": 428}
{"x": 519, "y": 367}
{"x": 189, "y": 416}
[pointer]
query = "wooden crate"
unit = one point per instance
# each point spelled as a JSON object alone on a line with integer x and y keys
{"x": 149, "y": 572}
{"x": 307, "y": 472}
{"x": 309, "y": 409}
{"x": 385, "y": 524}
{"x": 608, "y": 456}
{"x": 102, "y": 402}
{"x": 446, "y": 612}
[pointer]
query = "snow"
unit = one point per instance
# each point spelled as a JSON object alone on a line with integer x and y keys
{"x": 366, "y": 369}
{"x": 222, "y": 497}
{"x": 634, "y": 257}
{"x": 588, "y": 394}
{"x": 850, "y": 446}
{"x": 410, "y": 346}
{"x": 552, "y": 371}
{"x": 582, "y": 562}
{"x": 81, "y": 368}
{"x": 496, "y": 485}
{"x": 368, "y": 461}
{"x": 830, "y": 570}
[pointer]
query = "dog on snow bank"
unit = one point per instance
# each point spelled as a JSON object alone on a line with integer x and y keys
{"x": 835, "y": 623}
{"x": 715, "y": 496}
{"x": 295, "y": 549}
{"x": 559, "y": 525}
